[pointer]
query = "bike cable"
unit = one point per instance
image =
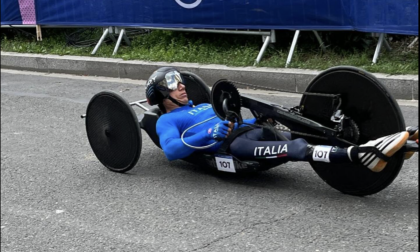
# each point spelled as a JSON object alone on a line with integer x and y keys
{"x": 197, "y": 147}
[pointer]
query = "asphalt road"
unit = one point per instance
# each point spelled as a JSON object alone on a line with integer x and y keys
{"x": 56, "y": 196}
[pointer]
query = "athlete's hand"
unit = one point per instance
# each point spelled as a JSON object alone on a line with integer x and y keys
{"x": 232, "y": 127}
{"x": 220, "y": 131}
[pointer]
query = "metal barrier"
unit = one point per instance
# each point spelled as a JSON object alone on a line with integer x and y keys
{"x": 267, "y": 36}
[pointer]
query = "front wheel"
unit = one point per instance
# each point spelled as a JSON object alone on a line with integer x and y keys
{"x": 375, "y": 112}
{"x": 113, "y": 131}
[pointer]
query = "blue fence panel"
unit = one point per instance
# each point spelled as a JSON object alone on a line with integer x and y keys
{"x": 236, "y": 14}
{"x": 10, "y": 12}
{"x": 385, "y": 16}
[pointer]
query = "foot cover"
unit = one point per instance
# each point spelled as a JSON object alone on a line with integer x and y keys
{"x": 413, "y": 132}
{"x": 387, "y": 145}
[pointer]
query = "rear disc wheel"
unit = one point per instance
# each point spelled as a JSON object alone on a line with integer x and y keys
{"x": 375, "y": 112}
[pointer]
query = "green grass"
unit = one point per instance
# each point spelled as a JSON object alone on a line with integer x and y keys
{"x": 343, "y": 48}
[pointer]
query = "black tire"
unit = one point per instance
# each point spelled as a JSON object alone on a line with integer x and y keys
{"x": 373, "y": 109}
{"x": 113, "y": 131}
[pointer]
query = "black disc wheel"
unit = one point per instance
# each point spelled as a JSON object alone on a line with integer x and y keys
{"x": 374, "y": 112}
{"x": 113, "y": 131}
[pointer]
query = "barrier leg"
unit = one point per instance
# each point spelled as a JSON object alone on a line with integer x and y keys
{"x": 387, "y": 46}
{"x": 378, "y": 48}
{"x": 127, "y": 41}
{"x": 38, "y": 33}
{"x": 122, "y": 31}
{"x": 412, "y": 43}
{"x": 321, "y": 44}
{"x": 263, "y": 48}
{"x": 292, "y": 48}
{"x": 112, "y": 31}
{"x": 100, "y": 41}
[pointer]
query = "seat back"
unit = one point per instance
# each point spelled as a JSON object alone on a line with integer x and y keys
{"x": 148, "y": 123}
{"x": 196, "y": 88}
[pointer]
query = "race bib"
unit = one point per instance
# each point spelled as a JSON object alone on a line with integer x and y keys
{"x": 322, "y": 153}
{"x": 225, "y": 163}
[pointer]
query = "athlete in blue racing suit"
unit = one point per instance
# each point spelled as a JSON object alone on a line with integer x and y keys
{"x": 184, "y": 128}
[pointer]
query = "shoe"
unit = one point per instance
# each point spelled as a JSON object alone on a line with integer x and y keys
{"x": 386, "y": 145}
{"x": 413, "y": 132}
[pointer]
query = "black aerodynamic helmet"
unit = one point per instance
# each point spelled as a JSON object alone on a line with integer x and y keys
{"x": 161, "y": 83}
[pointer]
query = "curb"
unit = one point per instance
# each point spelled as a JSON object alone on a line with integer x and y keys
{"x": 293, "y": 80}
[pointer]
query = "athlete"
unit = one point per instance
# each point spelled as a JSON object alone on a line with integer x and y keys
{"x": 185, "y": 128}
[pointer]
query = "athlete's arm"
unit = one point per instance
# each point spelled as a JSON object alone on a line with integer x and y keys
{"x": 175, "y": 148}
{"x": 171, "y": 143}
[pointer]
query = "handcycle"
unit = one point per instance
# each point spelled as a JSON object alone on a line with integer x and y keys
{"x": 342, "y": 106}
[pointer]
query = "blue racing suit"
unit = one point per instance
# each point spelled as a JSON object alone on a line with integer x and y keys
{"x": 170, "y": 127}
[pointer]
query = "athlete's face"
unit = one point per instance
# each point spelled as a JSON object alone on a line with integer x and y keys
{"x": 180, "y": 94}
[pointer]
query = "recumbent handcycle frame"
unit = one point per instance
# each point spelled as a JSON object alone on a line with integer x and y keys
{"x": 341, "y": 106}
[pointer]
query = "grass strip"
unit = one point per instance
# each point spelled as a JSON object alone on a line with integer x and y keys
{"x": 343, "y": 48}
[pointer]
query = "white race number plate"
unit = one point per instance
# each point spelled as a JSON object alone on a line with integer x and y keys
{"x": 225, "y": 163}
